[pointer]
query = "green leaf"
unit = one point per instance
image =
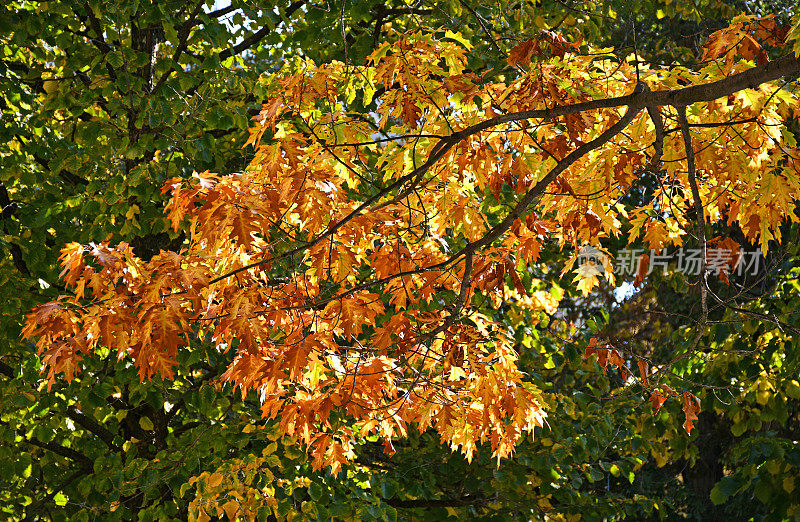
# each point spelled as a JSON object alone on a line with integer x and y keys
{"x": 315, "y": 491}
{"x": 388, "y": 489}
{"x": 724, "y": 489}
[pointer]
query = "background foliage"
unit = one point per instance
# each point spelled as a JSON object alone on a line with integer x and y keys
{"x": 104, "y": 101}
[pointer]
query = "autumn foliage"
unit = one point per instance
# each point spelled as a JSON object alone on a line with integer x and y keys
{"x": 350, "y": 266}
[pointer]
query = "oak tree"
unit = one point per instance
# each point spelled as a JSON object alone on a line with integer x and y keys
{"x": 350, "y": 274}
{"x": 345, "y": 264}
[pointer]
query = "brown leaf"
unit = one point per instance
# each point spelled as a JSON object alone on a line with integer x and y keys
{"x": 644, "y": 370}
{"x": 641, "y": 272}
{"x": 521, "y": 53}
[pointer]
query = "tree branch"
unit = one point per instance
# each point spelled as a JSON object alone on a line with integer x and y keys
{"x": 7, "y": 209}
{"x": 698, "y": 208}
{"x": 658, "y": 144}
{"x": 83, "y": 460}
{"x": 6, "y": 370}
{"x": 560, "y": 167}
{"x": 99, "y": 41}
{"x": 222, "y": 12}
{"x": 788, "y": 65}
{"x": 641, "y": 97}
{"x": 259, "y": 35}
{"x": 183, "y": 44}
{"x": 467, "y": 500}
{"x": 92, "y": 426}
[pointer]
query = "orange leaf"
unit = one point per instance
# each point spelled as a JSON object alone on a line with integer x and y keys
{"x": 559, "y": 45}
{"x": 617, "y": 360}
{"x": 337, "y": 458}
{"x": 658, "y": 397}
{"x": 724, "y": 258}
{"x": 691, "y": 407}
{"x": 270, "y": 111}
{"x": 231, "y": 509}
{"x": 214, "y": 480}
{"x": 410, "y": 111}
{"x": 657, "y": 400}
{"x": 320, "y": 449}
{"x": 388, "y": 447}
{"x": 602, "y": 354}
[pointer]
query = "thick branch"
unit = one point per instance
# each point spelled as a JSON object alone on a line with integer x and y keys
{"x": 698, "y": 208}
{"x": 69, "y": 453}
{"x": 7, "y": 209}
{"x": 560, "y": 167}
{"x": 222, "y": 12}
{"x": 259, "y": 35}
{"x": 461, "y": 299}
{"x": 183, "y": 44}
{"x": 99, "y": 40}
{"x": 788, "y": 65}
{"x": 658, "y": 144}
{"x": 92, "y": 426}
{"x": 433, "y": 503}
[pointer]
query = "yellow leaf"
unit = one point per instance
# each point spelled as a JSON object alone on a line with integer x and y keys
{"x": 774, "y": 467}
{"x": 587, "y": 277}
{"x": 793, "y": 389}
{"x": 50, "y": 86}
{"x": 132, "y": 212}
{"x": 214, "y": 480}
{"x": 231, "y": 508}
{"x": 145, "y": 423}
{"x": 544, "y": 504}
{"x": 458, "y": 38}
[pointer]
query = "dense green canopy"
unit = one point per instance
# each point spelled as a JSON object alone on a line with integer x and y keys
{"x": 102, "y": 102}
